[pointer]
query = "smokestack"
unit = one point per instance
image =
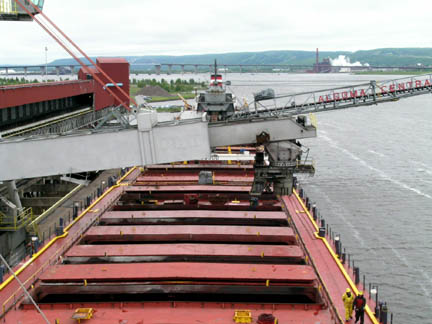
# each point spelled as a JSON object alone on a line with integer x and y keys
{"x": 317, "y": 60}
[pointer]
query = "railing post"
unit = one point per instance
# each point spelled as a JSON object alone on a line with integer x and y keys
{"x": 356, "y": 275}
{"x": 2, "y": 272}
{"x": 373, "y": 86}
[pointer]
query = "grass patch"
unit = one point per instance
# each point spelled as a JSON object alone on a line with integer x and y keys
{"x": 170, "y": 110}
{"x": 159, "y": 99}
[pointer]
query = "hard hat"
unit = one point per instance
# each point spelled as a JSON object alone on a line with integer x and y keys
{"x": 348, "y": 290}
{"x": 360, "y": 293}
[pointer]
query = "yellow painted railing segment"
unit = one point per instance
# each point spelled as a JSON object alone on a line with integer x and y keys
{"x": 49, "y": 244}
{"x": 36, "y": 221}
{"x": 313, "y": 120}
{"x": 8, "y": 7}
{"x": 16, "y": 223}
{"x": 336, "y": 258}
{"x": 126, "y": 175}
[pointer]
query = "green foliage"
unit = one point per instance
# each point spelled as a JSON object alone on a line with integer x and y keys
{"x": 159, "y": 99}
{"x": 178, "y": 85}
{"x": 170, "y": 109}
{"x": 12, "y": 81}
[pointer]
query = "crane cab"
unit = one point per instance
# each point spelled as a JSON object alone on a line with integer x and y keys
{"x": 10, "y": 10}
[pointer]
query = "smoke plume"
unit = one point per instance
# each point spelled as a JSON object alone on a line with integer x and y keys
{"x": 342, "y": 60}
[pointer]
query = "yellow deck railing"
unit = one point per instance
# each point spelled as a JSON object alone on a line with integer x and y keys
{"x": 8, "y": 7}
{"x": 336, "y": 258}
{"x": 8, "y": 223}
{"x": 54, "y": 256}
{"x": 313, "y": 120}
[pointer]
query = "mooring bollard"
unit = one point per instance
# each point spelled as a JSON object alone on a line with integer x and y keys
{"x": 356, "y": 275}
{"x": 2, "y": 272}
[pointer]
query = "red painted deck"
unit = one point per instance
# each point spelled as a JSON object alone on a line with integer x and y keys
{"x": 198, "y": 214}
{"x": 221, "y": 250}
{"x": 174, "y": 313}
{"x": 203, "y": 165}
{"x": 136, "y": 274}
{"x": 335, "y": 281}
{"x": 192, "y": 188}
{"x": 193, "y": 178}
{"x": 180, "y": 271}
{"x": 195, "y": 213}
{"x": 196, "y": 233}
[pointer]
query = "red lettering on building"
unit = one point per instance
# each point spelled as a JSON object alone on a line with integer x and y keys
{"x": 321, "y": 99}
{"x": 427, "y": 83}
{"x": 401, "y": 86}
{"x": 344, "y": 95}
{"x": 383, "y": 90}
{"x": 409, "y": 84}
{"x": 392, "y": 88}
{"x": 353, "y": 94}
{"x": 362, "y": 93}
{"x": 418, "y": 83}
{"x": 336, "y": 96}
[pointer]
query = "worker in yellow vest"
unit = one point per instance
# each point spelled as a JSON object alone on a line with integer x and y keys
{"x": 348, "y": 299}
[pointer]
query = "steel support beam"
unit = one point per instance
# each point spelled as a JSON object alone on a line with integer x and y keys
{"x": 180, "y": 271}
{"x": 13, "y": 194}
{"x": 186, "y": 250}
{"x": 149, "y": 143}
{"x": 190, "y": 233}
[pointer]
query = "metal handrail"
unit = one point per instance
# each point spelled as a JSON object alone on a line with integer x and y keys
{"x": 8, "y": 7}
{"x": 8, "y": 223}
{"x": 56, "y": 255}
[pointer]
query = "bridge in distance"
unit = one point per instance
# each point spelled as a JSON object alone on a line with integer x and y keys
{"x": 168, "y": 68}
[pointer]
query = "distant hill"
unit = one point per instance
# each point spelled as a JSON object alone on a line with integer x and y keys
{"x": 376, "y": 57}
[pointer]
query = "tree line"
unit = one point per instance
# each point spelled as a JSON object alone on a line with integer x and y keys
{"x": 178, "y": 85}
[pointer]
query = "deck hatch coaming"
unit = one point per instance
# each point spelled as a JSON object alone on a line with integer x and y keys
{"x": 190, "y": 233}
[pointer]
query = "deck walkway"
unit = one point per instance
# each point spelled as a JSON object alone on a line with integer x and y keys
{"x": 327, "y": 265}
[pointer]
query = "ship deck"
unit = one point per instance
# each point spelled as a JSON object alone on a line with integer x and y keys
{"x": 160, "y": 248}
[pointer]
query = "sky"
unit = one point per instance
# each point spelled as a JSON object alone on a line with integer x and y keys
{"x": 169, "y": 27}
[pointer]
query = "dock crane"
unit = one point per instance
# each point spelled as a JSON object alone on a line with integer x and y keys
{"x": 187, "y": 106}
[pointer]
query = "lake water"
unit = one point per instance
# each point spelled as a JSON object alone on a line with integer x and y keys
{"x": 373, "y": 183}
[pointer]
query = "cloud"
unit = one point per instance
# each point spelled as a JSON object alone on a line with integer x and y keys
{"x": 169, "y": 27}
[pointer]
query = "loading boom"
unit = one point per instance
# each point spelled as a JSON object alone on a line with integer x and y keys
{"x": 364, "y": 94}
